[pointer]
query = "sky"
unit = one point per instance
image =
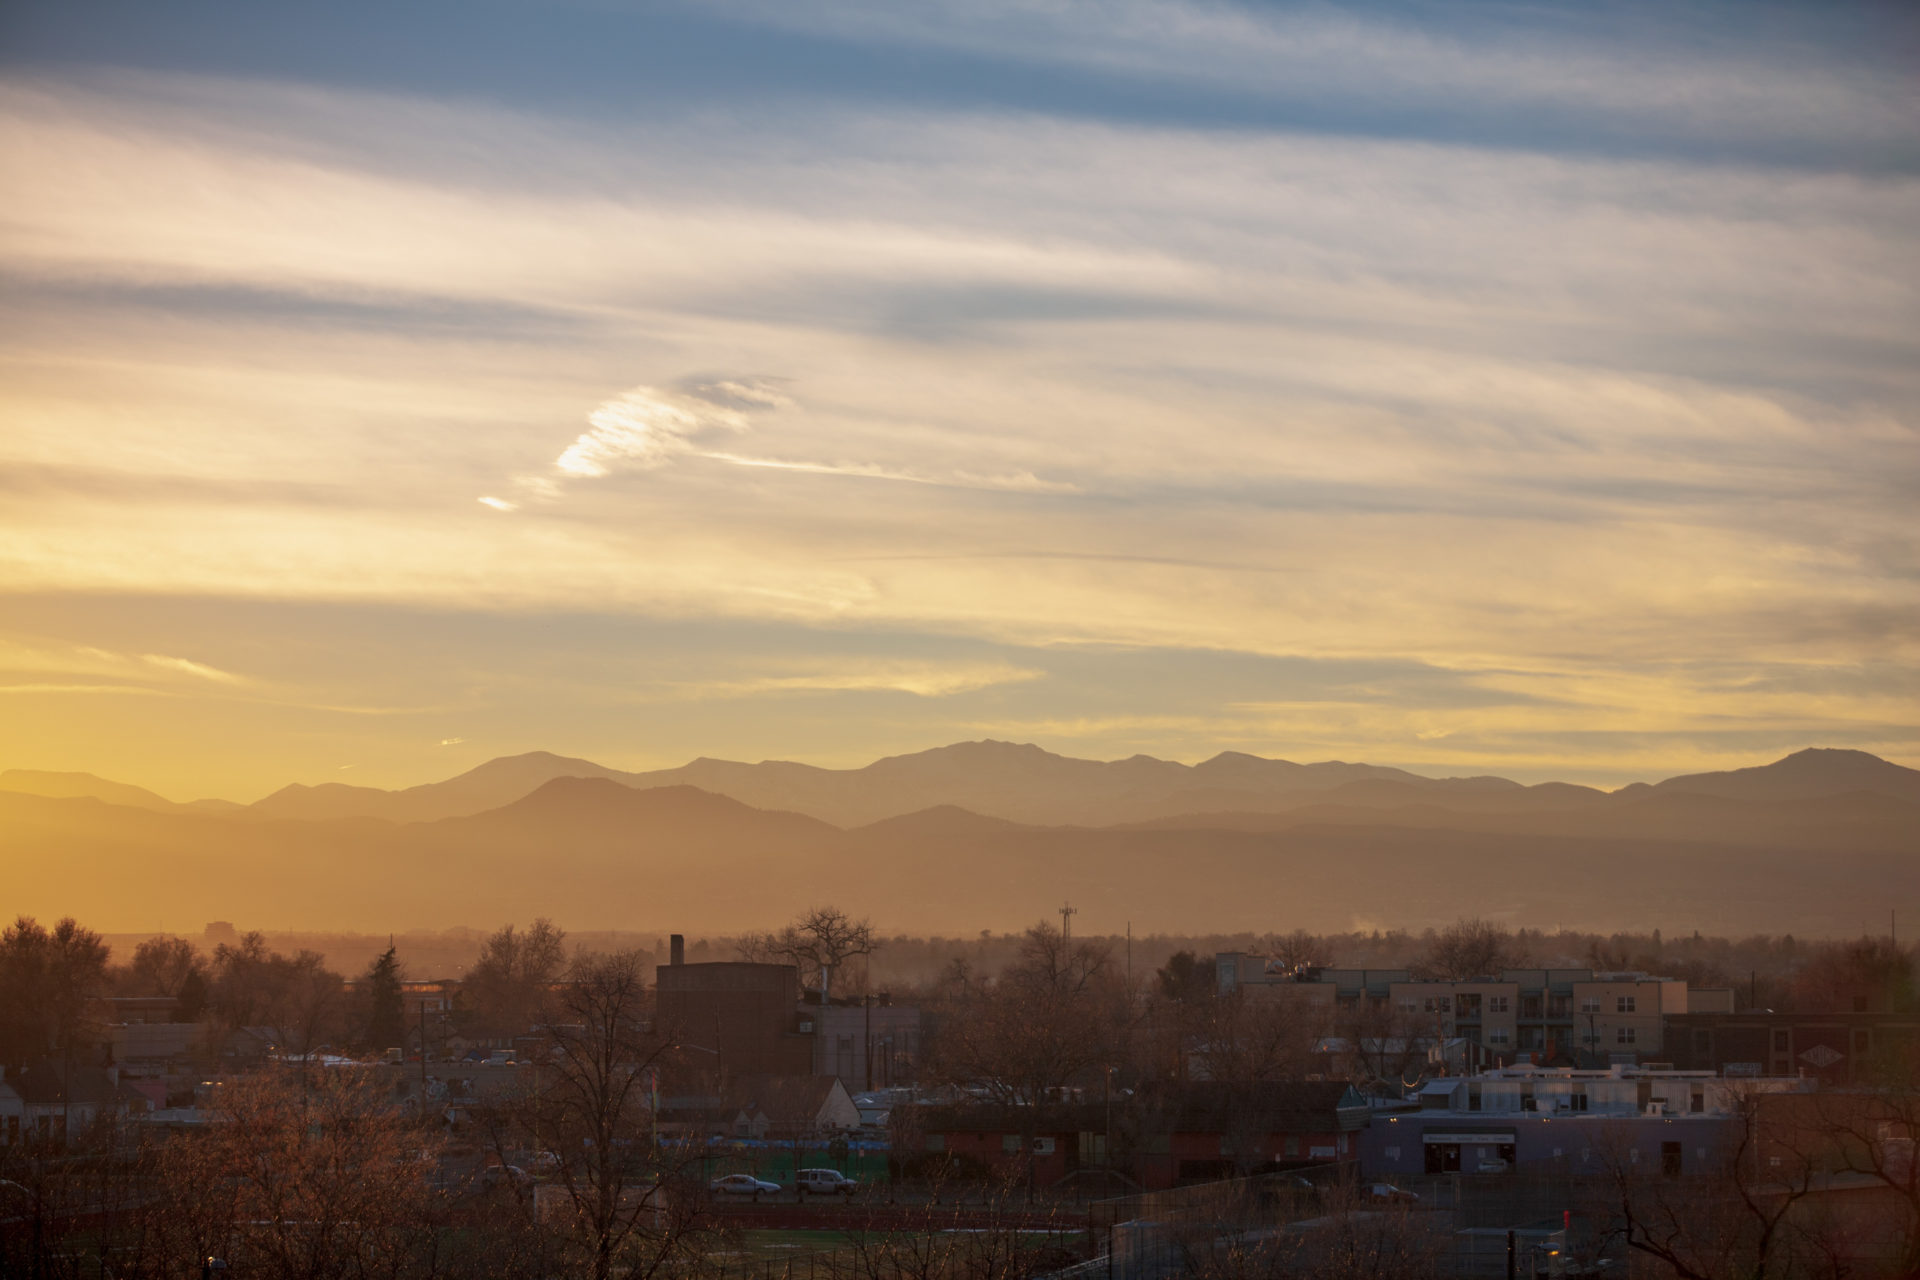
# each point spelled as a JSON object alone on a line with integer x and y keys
{"x": 1499, "y": 388}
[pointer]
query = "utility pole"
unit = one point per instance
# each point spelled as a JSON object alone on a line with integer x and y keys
{"x": 423, "y": 1058}
{"x": 1067, "y": 912}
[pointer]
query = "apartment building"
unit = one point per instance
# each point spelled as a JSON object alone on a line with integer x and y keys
{"x": 1541, "y": 1015}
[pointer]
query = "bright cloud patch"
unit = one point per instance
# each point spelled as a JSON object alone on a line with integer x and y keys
{"x": 644, "y": 429}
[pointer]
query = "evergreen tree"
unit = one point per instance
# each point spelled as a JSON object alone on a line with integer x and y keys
{"x": 385, "y": 1017}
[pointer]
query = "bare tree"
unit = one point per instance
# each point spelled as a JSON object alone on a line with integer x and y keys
{"x": 1253, "y": 1038}
{"x": 1743, "y": 1218}
{"x": 1471, "y": 949}
{"x": 1386, "y": 1047}
{"x": 1051, "y": 1016}
{"x": 166, "y": 965}
{"x": 1296, "y": 949}
{"x": 590, "y": 1107}
{"x": 504, "y": 989}
{"x": 310, "y": 1179}
{"x": 1873, "y": 1132}
{"x": 819, "y": 942}
{"x": 298, "y": 1000}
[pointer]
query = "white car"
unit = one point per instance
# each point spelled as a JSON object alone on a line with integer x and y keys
{"x": 1386, "y": 1191}
{"x": 824, "y": 1182}
{"x": 743, "y": 1184}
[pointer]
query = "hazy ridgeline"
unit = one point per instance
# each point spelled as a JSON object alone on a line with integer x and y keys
{"x": 989, "y": 835}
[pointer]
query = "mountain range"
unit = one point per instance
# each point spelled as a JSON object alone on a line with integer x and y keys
{"x": 987, "y": 834}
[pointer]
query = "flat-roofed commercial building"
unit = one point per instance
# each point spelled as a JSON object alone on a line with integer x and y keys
{"x": 1570, "y": 1120}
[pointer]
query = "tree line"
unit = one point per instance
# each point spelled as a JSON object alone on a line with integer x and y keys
{"x": 52, "y": 979}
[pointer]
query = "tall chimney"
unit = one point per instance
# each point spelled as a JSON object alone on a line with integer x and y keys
{"x": 676, "y": 949}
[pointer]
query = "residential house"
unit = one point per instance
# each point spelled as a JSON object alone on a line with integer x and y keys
{"x": 49, "y": 1100}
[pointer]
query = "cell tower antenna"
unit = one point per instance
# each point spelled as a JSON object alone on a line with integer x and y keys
{"x": 1067, "y": 912}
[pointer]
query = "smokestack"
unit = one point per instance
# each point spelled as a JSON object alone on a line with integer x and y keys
{"x": 676, "y": 949}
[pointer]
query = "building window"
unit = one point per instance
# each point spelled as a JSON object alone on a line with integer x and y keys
{"x": 1009, "y": 1142}
{"x": 1497, "y": 1036}
{"x": 1393, "y": 1153}
{"x": 1623, "y": 1035}
{"x": 1589, "y": 1004}
{"x": 1697, "y": 1103}
{"x": 1782, "y": 1041}
{"x": 1623, "y": 1004}
{"x": 1043, "y": 1146}
{"x": 1292, "y": 1147}
{"x": 1496, "y": 1004}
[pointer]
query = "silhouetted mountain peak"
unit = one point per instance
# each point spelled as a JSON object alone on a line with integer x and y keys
{"x": 66, "y": 786}
{"x": 585, "y": 805}
{"x": 1806, "y": 774}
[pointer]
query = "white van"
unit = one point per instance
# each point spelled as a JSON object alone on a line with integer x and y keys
{"x": 824, "y": 1182}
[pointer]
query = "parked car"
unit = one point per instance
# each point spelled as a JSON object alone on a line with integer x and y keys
{"x": 743, "y": 1184}
{"x": 1388, "y": 1193}
{"x": 824, "y": 1182}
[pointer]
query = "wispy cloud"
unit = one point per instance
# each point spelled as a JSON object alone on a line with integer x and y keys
{"x": 129, "y": 689}
{"x": 189, "y": 667}
{"x": 1561, "y": 85}
{"x": 645, "y": 429}
{"x": 52, "y": 656}
{"x": 451, "y": 742}
{"x": 1014, "y": 481}
{"x": 924, "y": 680}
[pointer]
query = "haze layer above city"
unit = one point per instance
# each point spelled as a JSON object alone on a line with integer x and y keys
{"x": 1465, "y": 392}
